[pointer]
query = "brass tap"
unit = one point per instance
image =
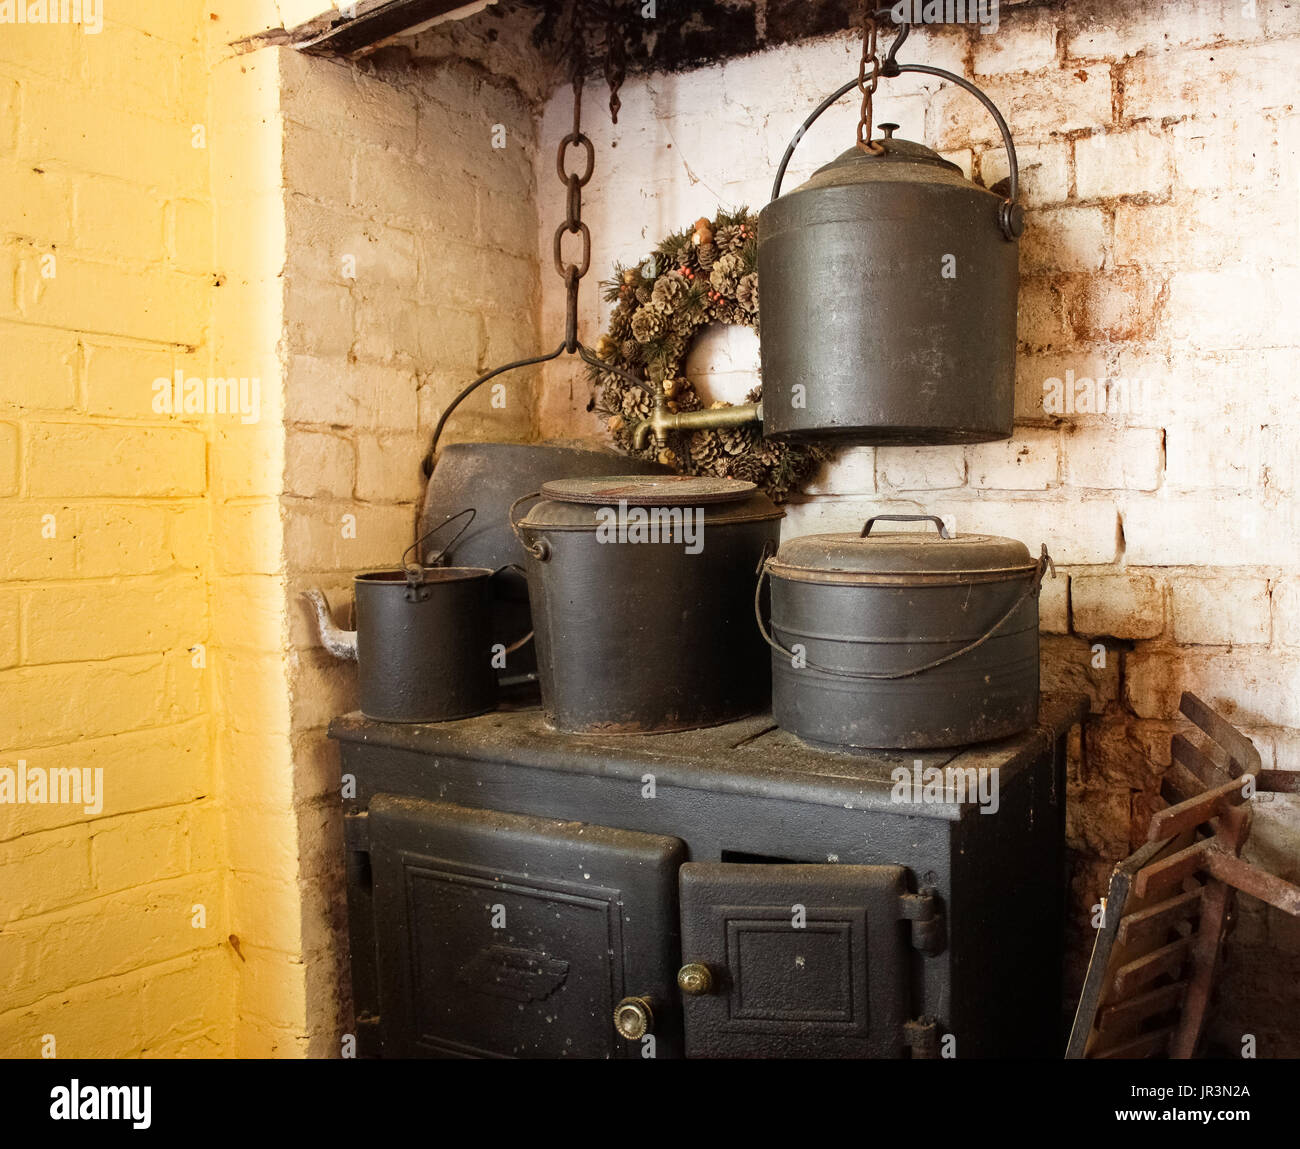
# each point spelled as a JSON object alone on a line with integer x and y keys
{"x": 662, "y": 420}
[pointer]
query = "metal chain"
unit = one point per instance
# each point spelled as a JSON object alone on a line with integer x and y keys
{"x": 574, "y": 182}
{"x": 867, "y": 84}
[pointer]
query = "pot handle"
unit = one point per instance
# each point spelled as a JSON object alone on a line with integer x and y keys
{"x": 540, "y": 550}
{"x": 415, "y": 571}
{"x": 935, "y": 519}
{"x": 1044, "y": 563}
{"x": 519, "y": 642}
{"x": 1011, "y": 216}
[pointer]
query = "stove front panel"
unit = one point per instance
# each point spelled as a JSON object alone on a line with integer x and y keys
{"x": 513, "y": 936}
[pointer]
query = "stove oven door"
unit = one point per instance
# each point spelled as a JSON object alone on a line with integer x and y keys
{"x": 794, "y": 960}
{"x": 512, "y": 936}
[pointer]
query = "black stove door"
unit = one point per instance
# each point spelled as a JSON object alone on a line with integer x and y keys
{"x": 512, "y": 936}
{"x": 794, "y": 960}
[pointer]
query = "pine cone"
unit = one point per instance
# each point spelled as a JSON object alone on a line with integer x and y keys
{"x": 636, "y": 403}
{"x": 705, "y": 449}
{"x": 669, "y": 289}
{"x": 706, "y": 253}
{"x": 643, "y": 294}
{"x": 748, "y": 470}
{"x": 620, "y": 324}
{"x": 735, "y": 440}
{"x": 730, "y": 238}
{"x": 726, "y": 273}
{"x": 630, "y": 349}
{"x": 747, "y": 292}
{"x": 649, "y": 323}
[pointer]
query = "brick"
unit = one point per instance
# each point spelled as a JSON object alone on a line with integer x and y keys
{"x": 318, "y": 164}
{"x": 921, "y": 468}
{"x": 1112, "y": 459}
{"x": 119, "y": 219}
{"x": 1111, "y": 32}
{"x": 1119, "y": 306}
{"x": 318, "y": 317}
{"x": 1041, "y": 314}
{"x": 1200, "y": 455}
{"x": 43, "y": 872}
{"x": 10, "y": 111}
{"x": 27, "y": 551}
{"x": 1071, "y": 665}
{"x": 1044, "y": 171}
{"x": 112, "y": 299}
{"x": 1221, "y": 152}
{"x": 8, "y": 459}
{"x": 1071, "y": 101}
{"x": 1133, "y": 162}
{"x": 1028, "y": 461}
{"x": 1168, "y": 83}
{"x": 388, "y": 466}
{"x": 38, "y": 368}
{"x": 82, "y": 459}
{"x": 1219, "y": 530}
{"x": 319, "y": 464}
{"x": 176, "y": 1001}
{"x": 389, "y": 331}
{"x": 316, "y": 530}
{"x": 1023, "y": 43}
{"x": 75, "y": 622}
{"x": 9, "y": 634}
{"x": 119, "y": 377}
{"x": 1286, "y": 611}
{"x": 38, "y": 203}
{"x": 118, "y": 541}
{"x": 147, "y": 846}
{"x": 1225, "y": 310}
{"x": 852, "y": 473}
{"x": 105, "y": 937}
{"x": 1065, "y": 239}
{"x": 1097, "y": 821}
{"x": 1246, "y": 687}
{"x": 1125, "y": 605}
{"x": 1220, "y": 612}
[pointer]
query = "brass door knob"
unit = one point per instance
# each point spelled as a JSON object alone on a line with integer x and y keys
{"x": 695, "y": 979}
{"x": 633, "y": 1018}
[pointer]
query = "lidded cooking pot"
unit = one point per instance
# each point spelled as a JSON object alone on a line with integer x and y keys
{"x": 888, "y": 284}
{"x": 639, "y": 587}
{"x": 903, "y": 640}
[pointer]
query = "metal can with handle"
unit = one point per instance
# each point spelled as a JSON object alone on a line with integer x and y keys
{"x": 903, "y": 640}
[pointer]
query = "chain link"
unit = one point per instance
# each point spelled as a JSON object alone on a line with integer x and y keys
{"x": 573, "y": 182}
{"x": 867, "y": 81}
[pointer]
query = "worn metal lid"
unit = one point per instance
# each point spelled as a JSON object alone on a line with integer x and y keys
{"x": 580, "y": 504}
{"x": 648, "y": 490}
{"x": 870, "y": 554}
{"x": 900, "y": 160}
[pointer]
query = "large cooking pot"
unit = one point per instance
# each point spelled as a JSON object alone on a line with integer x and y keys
{"x": 640, "y": 600}
{"x": 489, "y": 477}
{"x": 902, "y": 639}
{"x": 889, "y": 286}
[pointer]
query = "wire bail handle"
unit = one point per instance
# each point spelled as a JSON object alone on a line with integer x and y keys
{"x": 415, "y": 570}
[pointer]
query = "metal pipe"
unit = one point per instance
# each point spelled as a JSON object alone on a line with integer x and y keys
{"x": 661, "y": 421}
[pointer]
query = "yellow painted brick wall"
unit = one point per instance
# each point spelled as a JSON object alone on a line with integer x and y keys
{"x": 140, "y": 601}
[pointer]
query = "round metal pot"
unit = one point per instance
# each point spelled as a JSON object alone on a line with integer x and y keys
{"x": 903, "y": 641}
{"x": 640, "y": 599}
{"x": 489, "y": 477}
{"x": 423, "y": 644}
{"x": 889, "y": 286}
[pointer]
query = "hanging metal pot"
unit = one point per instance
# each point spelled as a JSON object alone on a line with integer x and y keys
{"x": 902, "y": 640}
{"x": 888, "y": 286}
{"x": 640, "y": 599}
{"x": 423, "y": 642}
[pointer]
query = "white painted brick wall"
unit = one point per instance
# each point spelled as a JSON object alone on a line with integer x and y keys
{"x": 1221, "y": 612}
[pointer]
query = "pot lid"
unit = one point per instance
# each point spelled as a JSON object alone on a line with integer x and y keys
{"x": 899, "y": 161}
{"x": 900, "y": 552}
{"x": 648, "y": 490}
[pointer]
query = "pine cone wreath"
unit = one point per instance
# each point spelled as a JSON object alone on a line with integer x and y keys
{"x": 726, "y": 273}
{"x": 706, "y": 254}
{"x": 650, "y": 322}
{"x": 730, "y": 238}
{"x": 620, "y": 324}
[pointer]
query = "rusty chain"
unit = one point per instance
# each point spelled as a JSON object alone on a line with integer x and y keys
{"x": 572, "y": 224}
{"x": 867, "y": 83}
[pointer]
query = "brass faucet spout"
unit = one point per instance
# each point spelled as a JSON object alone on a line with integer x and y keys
{"x": 661, "y": 421}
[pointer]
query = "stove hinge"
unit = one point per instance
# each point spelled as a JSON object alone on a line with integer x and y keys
{"x": 924, "y": 912}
